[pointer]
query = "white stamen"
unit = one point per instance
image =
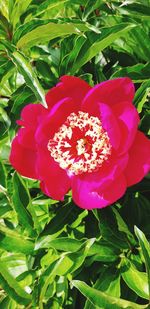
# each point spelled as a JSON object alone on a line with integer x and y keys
{"x": 83, "y": 154}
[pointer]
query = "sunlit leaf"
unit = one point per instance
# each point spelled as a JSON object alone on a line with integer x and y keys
{"x": 9, "y": 283}
{"x": 145, "y": 246}
{"x": 25, "y": 68}
{"x": 136, "y": 280}
{"x": 99, "y": 42}
{"x": 103, "y": 300}
{"x": 45, "y": 33}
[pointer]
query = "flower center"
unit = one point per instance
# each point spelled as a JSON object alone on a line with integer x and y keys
{"x": 81, "y": 145}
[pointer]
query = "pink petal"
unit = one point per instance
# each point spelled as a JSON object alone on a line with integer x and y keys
{"x": 54, "y": 180}
{"x": 139, "y": 159}
{"x": 26, "y": 138}
{"x": 128, "y": 120}
{"x": 23, "y": 159}
{"x": 88, "y": 198}
{"x": 32, "y": 114}
{"x": 110, "y": 92}
{"x": 69, "y": 86}
{"x": 52, "y": 122}
{"x": 109, "y": 122}
{"x": 99, "y": 181}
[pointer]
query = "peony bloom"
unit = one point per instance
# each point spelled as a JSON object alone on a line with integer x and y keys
{"x": 87, "y": 140}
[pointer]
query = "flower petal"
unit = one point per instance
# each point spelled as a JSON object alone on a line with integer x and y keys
{"x": 69, "y": 86}
{"x": 110, "y": 92}
{"x": 109, "y": 122}
{"x": 23, "y": 159}
{"x": 128, "y": 120}
{"x": 32, "y": 114}
{"x": 111, "y": 101}
{"x": 102, "y": 179}
{"x": 26, "y": 138}
{"x": 54, "y": 180}
{"x": 87, "y": 198}
{"x": 139, "y": 159}
{"x": 52, "y": 122}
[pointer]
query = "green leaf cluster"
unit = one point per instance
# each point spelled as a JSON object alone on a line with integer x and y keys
{"x": 53, "y": 254}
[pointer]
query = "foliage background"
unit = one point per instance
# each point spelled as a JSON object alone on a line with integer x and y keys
{"x": 53, "y": 254}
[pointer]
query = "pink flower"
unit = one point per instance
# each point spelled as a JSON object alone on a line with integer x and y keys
{"x": 87, "y": 140}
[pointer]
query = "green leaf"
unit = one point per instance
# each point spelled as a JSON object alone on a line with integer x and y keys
{"x": 66, "y": 264}
{"x": 21, "y": 200}
{"x": 144, "y": 126}
{"x": 62, "y": 244}
{"x": 145, "y": 247}
{"x": 138, "y": 72}
{"x": 45, "y": 33}
{"x": 136, "y": 280}
{"x": 12, "y": 287}
{"x": 122, "y": 226}
{"x": 22, "y": 96}
{"x": 9, "y": 72}
{"x": 109, "y": 229}
{"x": 141, "y": 95}
{"x": 61, "y": 288}
{"x": 98, "y": 42}
{"x": 72, "y": 261}
{"x": 3, "y": 176}
{"x": 26, "y": 70}
{"x": 18, "y": 9}
{"x": 90, "y": 7}
{"x": 5, "y": 208}
{"x": 108, "y": 282}
{"x": 4, "y": 8}
{"x": 69, "y": 59}
{"x": 67, "y": 214}
{"x": 144, "y": 100}
{"x": 16, "y": 263}
{"x": 102, "y": 251}
{"x": 27, "y": 27}
{"x": 5, "y": 67}
{"x": 103, "y": 300}
{"x": 138, "y": 10}
{"x": 14, "y": 242}
{"x": 47, "y": 5}
{"x": 139, "y": 34}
